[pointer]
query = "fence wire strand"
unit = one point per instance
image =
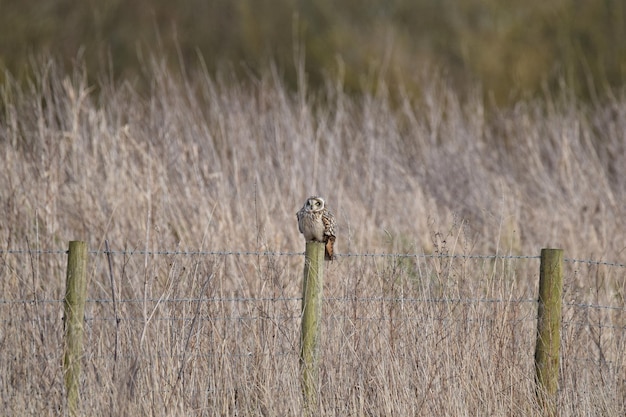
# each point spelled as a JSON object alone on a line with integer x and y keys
{"x": 292, "y": 254}
{"x": 287, "y": 253}
{"x": 325, "y": 299}
{"x": 91, "y": 319}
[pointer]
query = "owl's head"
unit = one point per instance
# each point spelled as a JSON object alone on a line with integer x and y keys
{"x": 314, "y": 204}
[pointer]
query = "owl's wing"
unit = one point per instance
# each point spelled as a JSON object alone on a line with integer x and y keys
{"x": 329, "y": 223}
{"x": 329, "y": 234}
{"x": 329, "y": 253}
{"x": 299, "y": 215}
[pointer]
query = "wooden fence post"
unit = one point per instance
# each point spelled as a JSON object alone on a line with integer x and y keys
{"x": 75, "y": 295}
{"x": 549, "y": 329}
{"x": 311, "y": 320}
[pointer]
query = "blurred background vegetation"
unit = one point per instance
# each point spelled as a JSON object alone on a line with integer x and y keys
{"x": 513, "y": 48}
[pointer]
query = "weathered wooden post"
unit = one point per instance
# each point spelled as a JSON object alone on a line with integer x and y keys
{"x": 311, "y": 320}
{"x": 75, "y": 295}
{"x": 549, "y": 329}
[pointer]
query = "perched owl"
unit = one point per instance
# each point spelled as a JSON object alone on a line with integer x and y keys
{"x": 317, "y": 224}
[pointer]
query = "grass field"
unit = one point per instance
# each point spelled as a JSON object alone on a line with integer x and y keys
{"x": 207, "y": 164}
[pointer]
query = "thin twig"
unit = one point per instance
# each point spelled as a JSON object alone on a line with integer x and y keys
{"x": 117, "y": 320}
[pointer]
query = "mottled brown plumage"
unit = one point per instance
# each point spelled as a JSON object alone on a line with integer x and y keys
{"x": 317, "y": 224}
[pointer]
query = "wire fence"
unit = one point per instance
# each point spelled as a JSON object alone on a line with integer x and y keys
{"x": 278, "y": 254}
{"x": 300, "y": 254}
{"x": 200, "y": 324}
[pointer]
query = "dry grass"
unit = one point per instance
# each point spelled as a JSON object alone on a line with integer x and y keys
{"x": 207, "y": 164}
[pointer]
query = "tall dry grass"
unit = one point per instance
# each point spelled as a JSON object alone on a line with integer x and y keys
{"x": 209, "y": 163}
{"x": 204, "y": 163}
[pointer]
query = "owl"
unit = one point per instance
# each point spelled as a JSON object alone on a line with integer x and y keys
{"x": 317, "y": 224}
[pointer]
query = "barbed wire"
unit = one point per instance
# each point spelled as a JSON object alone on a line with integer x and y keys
{"x": 260, "y": 253}
{"x": 282, "y": 318}
{"x": 282, "y": 299}
{"x": 397, "y": 300}
{"x": 565, "y": 324}
{"x": 595, "y": 262}
{"x": 33, "y": 251}
{"x": 294, "y": 351}
{"x": 286, "y": 253}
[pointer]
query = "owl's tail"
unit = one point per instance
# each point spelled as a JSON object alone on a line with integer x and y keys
{"x": 329, "y": 252}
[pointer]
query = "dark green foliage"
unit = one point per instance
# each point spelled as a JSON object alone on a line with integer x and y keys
{"x": 512, "y": 48}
